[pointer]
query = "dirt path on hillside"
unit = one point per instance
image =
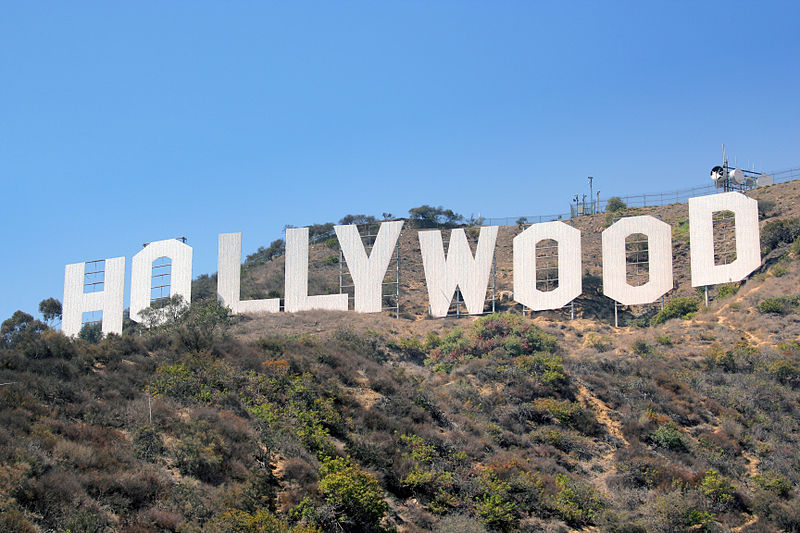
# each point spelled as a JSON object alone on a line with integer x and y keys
{"x": 606, "y": 460}
{"x": 601, "y": 410}
{"x": 724, "y": 321}
{"x": 752, "y": 338}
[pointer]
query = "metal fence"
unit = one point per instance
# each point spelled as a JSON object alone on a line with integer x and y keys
{"x": 636, "y": 200}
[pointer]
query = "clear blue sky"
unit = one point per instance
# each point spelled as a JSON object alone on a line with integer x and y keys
{"x": 123, "y": 123}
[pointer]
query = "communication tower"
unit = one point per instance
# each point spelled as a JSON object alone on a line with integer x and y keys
{"x": 737, "y": 179}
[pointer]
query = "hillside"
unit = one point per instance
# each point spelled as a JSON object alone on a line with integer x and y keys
{"x": 323, "y": 421}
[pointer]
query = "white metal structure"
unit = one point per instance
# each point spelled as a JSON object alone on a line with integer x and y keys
{"x": 368, "y": 271}
{"x": 109, "y": 300}
{"x": 701, "y": 238}
{"x": 460, "y": 269}
{"x": 659, "y": 259}
{"x": 229, "y": 266}
{"x": 569, "y": 266}
{"x": 142, "y": 271}
{"x": 297, "y": 298}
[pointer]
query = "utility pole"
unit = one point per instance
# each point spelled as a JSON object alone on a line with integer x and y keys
{"x": 591, "y": 195}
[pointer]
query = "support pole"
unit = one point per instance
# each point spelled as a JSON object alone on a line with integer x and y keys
{"x": 341, "y": 273}
{"x": 706, "y": 287}
{"x": 494, "y": 281}
{"x": 616, "y": 316}
{"x": 397, "y": 286}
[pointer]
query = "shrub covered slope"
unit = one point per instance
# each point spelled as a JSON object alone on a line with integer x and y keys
{"x": 499, "y": 424}
{"x": 686, "y": 420}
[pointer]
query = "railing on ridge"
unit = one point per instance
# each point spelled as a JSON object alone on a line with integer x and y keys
{"x": 636, "y": 200}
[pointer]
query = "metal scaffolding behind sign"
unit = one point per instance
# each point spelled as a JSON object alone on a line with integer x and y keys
{"x": 390, "y": 294}
{"x": 161, "y": 279}
{"x": 94, "y": 275}
{"x": 547, "y": 272}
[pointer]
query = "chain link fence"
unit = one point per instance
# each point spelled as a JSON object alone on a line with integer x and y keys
{"x": 636, "y": 200}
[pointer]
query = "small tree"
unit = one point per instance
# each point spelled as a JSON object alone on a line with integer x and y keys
{"x": 50, "y": 310}
{"x": 20, "y": 328}
{"x": 426, "y": 216}
{"x": 275, "y": 249}
{"x": 357, "y": 219}
{"x": 615, "y": 203}
{"x": 163, "y": 311}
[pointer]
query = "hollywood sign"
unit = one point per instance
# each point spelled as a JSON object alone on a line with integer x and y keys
{"x": 459, "y": 268}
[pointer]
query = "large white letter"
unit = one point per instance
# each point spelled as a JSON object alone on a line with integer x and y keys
{"x": 701, "y": 238}
{"x": 297, "y": 298}
{"x": 109, "y": 300}
{"x": 569, "y": 266}
{"x": 142, "y": 273}
{"x": 229, "y": 268}
{"x": 368, "y": 272}
{"x": 659, "y": 260}
{"x": 458, "y": 270}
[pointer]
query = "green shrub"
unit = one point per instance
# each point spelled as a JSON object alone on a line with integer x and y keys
{"x": 779, "y": 232}
{"x": 680, "y": 307}
{"x": 600, "y": 343}
{"x": 200, "y": 454}
{"x": 765, "y": 207}
{"x": 640, "y": 347}
{"x": 147, "y": 443}
{"x": 501, "y": 335}
{"x": 576, "y": 503}
{"x": 774, "y": 482}
{"x": 411, "y": 348}
{"x": 91, "y": 333}
{"x": 664, "y": 340}
{"x": 727, "y": 289}
{"x": 779, "y": 271}
{"x": 681, "y": 231}
{"x": 780, "y": 305}
{"x": 355, "y": 495}
{"x": 238, "y": 521}
{"x": 494, "y": 508}
{"x": 565, "y": 412}
{"x": 704, "y": 519}
{"x": 717, "y": 488}
{"x": 669, "y": 437}
{"x": 784, "y": 371}
{"x": 719, "y": 357}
